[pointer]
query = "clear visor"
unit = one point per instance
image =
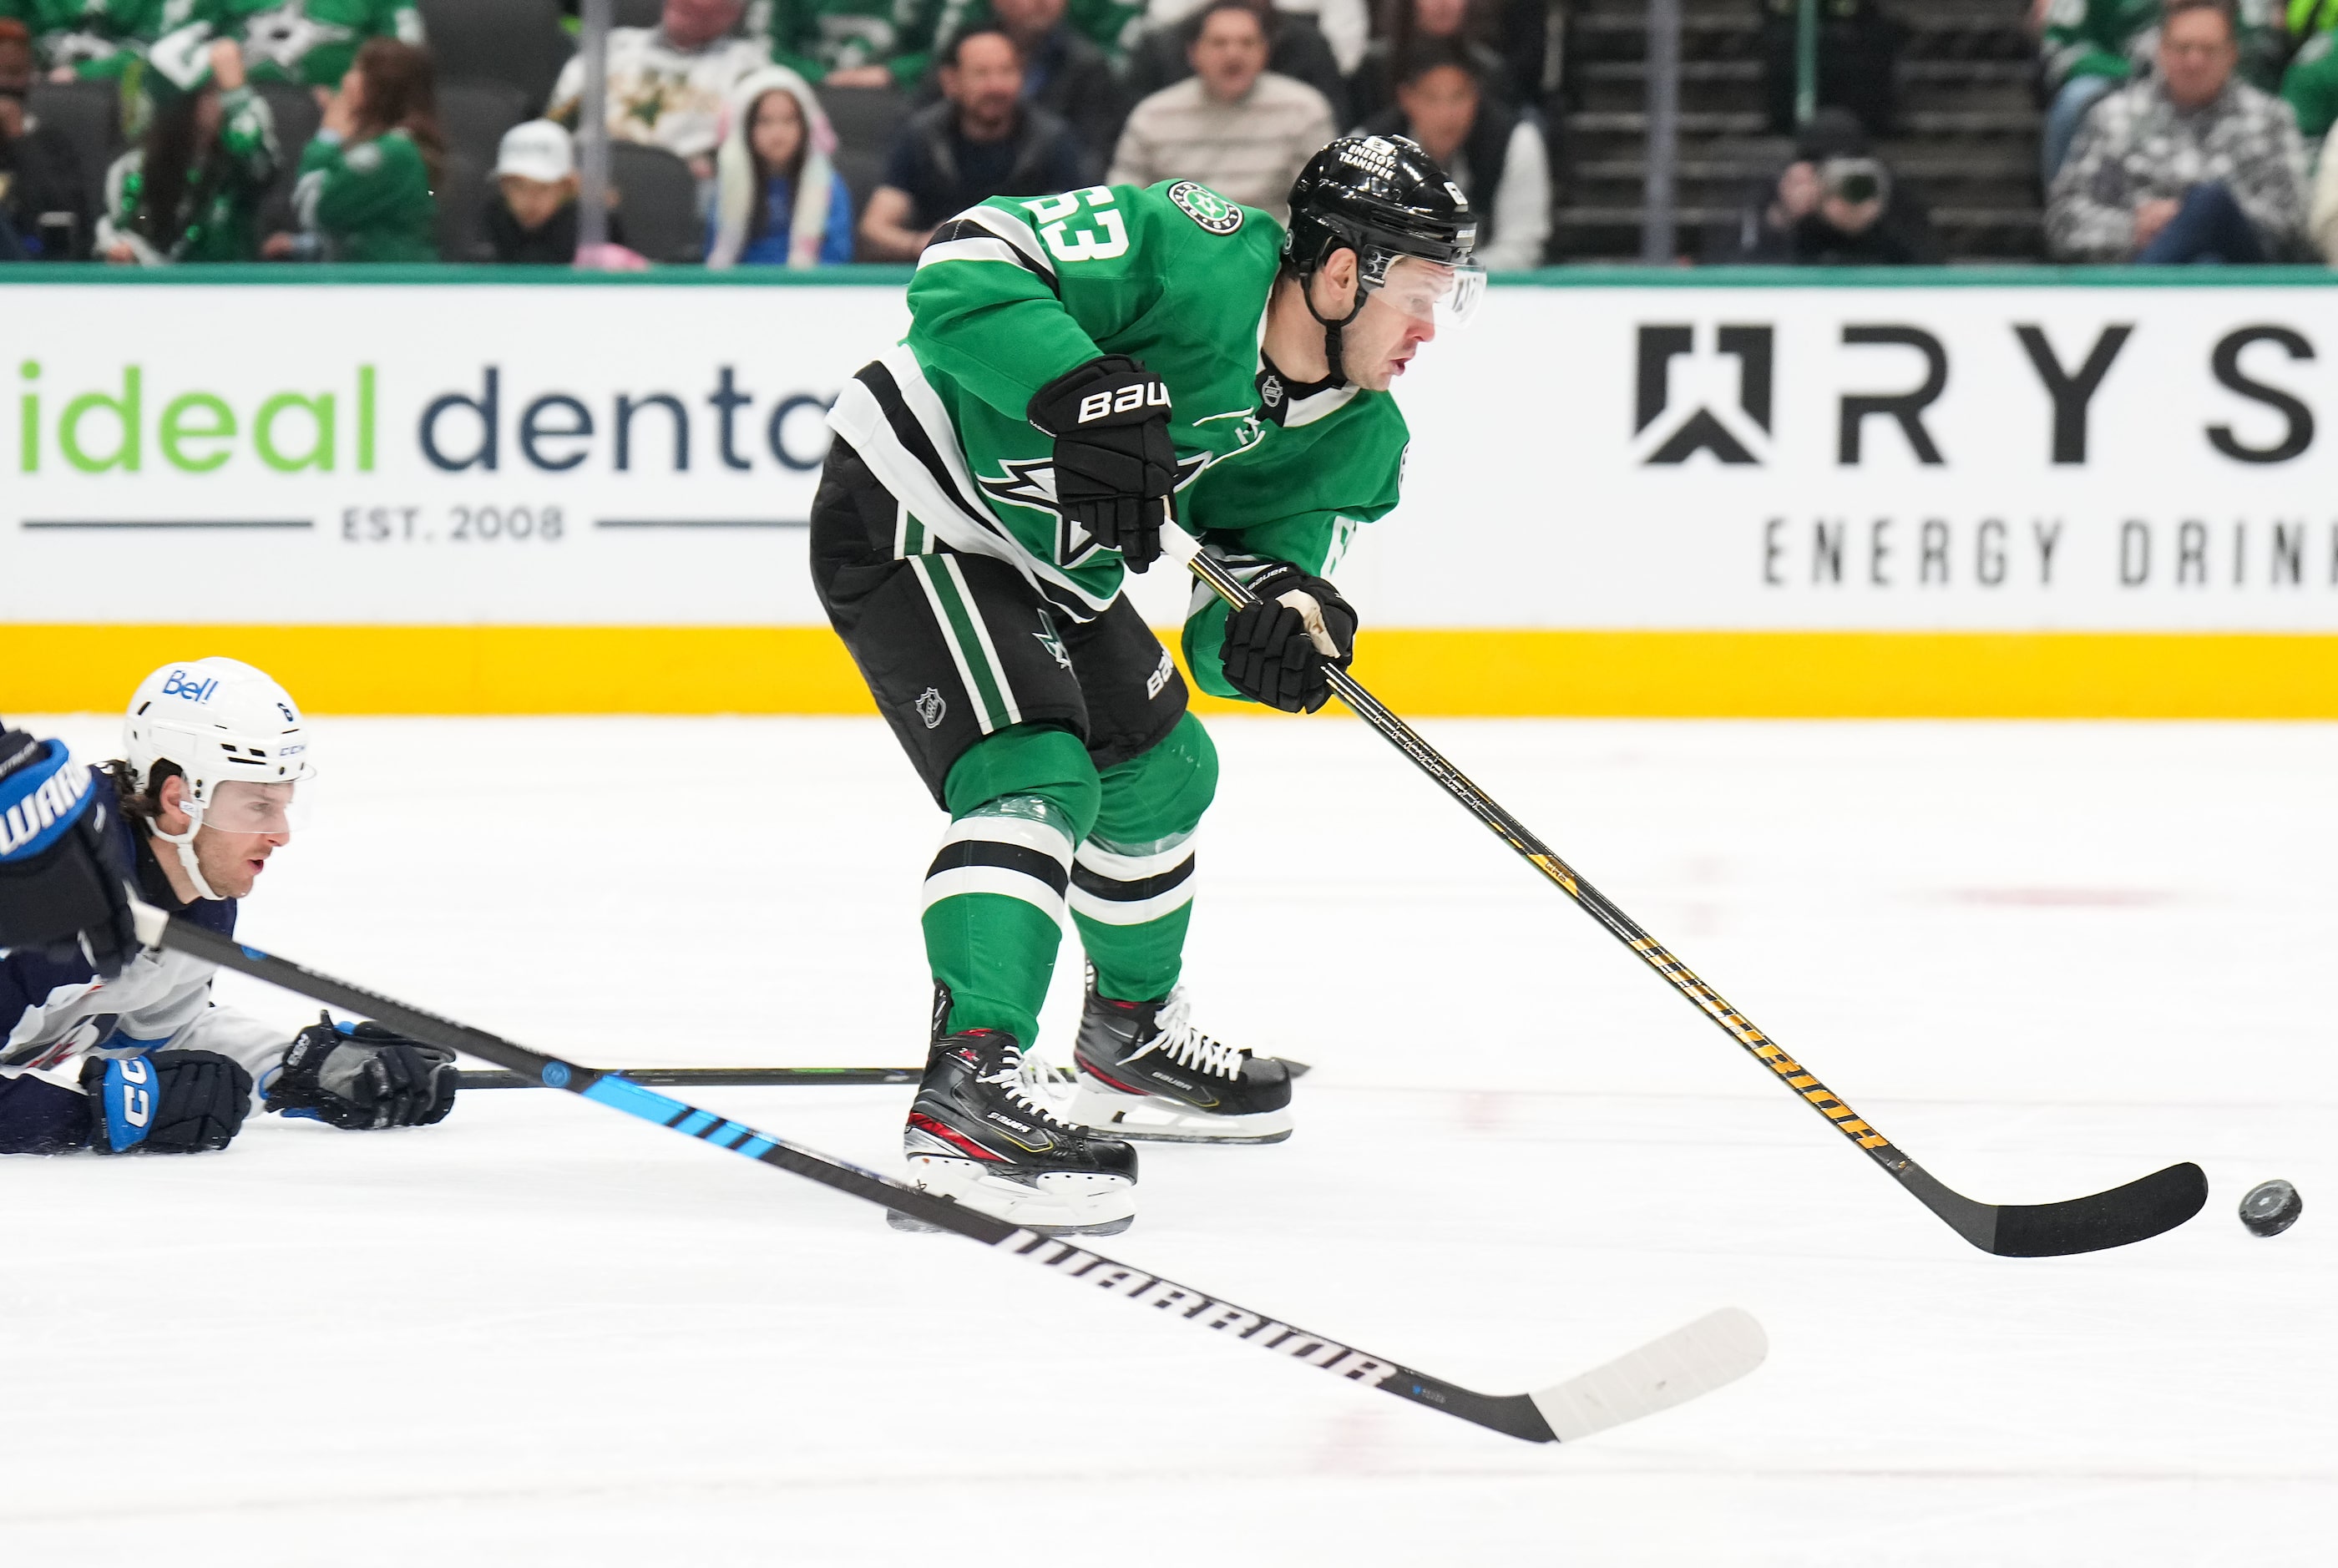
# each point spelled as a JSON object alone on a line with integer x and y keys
{"x": 237, "y": 806}
{"x": 1429, "y": 292}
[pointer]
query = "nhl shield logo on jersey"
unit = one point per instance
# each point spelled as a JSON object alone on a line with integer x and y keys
{"x": 1207, "y": 207}
{"x": 931, "y": 707}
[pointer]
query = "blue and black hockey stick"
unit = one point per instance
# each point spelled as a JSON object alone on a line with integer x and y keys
{"x": 1715, "y": 1349}
{"x": 2141, "y": 1210}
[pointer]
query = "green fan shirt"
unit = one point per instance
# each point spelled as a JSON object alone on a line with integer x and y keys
{"x": 313, "y": 42}
{"x": 370, "y": 199}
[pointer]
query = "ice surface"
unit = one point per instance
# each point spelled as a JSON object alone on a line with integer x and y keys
{"x": 2045, "y": 958}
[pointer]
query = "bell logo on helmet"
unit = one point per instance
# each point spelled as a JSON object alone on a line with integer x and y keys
{"x": 178, "y": 685}
{"x": 1207, "y": 207}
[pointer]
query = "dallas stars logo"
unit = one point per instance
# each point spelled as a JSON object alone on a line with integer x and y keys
{"x": 1051, "y": 641}
{"x": 285, "y": 34}
{"x": 1030, "y": 482}
{"x": 1207, "y": 207}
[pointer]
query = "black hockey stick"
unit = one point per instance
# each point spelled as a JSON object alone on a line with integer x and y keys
{"x": 2135, "y": 1212}
{"x": 1715, "y": 1349}
{"x": 684, "y": 1077}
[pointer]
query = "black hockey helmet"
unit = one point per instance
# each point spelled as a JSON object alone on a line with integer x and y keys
{"x": 1384, "y": 198}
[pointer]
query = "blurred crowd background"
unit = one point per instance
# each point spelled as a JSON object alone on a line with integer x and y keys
{"x": 821, "y": 132}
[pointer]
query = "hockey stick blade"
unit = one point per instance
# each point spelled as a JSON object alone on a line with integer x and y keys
{"x": 1717, "y": 1349}
{"x": 2135, "y": 1212}
{"x": 1689, "y": 1361}
{"x": 752, "y": 1077}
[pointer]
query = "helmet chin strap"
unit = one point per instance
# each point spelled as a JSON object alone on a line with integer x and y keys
{"x": 184, "y": 843}
{"x": 1332, "y": 329}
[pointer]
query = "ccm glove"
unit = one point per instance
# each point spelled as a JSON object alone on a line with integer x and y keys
{"x": 165, "y": 1103}
{"x": 1116, "y": 467}
{"x": 360, "y": 1076}
{"x": 1274, "y": 654}
{"x": 60, "y": 879}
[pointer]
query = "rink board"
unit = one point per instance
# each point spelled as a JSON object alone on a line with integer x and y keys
{"x": 1940, "y": 493}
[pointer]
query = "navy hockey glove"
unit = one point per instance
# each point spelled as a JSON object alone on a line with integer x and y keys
{"x": 1270, "y": 653}
{"x": 61, "y": 880}
{"x": 165, "y": 1103}
{"x": 360, "y": 1076}
{"x": 1116, "y": 467}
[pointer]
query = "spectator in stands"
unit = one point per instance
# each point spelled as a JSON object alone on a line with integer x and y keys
{"x": 1835, "y": 205}
{"x": 531, "y": 218}
{"x": 1858, "y": 63}
{"x": 99, "y": 40}
{"x": 1491, "y": 151}
{"x": 1164, "y": 56}
{"x": 1064, "y": 70}
{"x": 668, "y": 84}
{"x": 981, "y": 141}
{"x": 367, "y": 177}
{"x": 44, "y": 211}
{"x": 860, "y": 42}
{"x": 2088, "y": 48}
{"x": 190, "y": 191}
{"x": 2322, "y": 222}
{"x": 2310, "y": 85}
{"x": 780, "y": 200}
{"x": 2190, "y": 165}
{"x": 1463, "y": 27}
{"x": 1241, "y": 130}
{"x": 1346, "y": 25}
{"x": 313, "y": 43}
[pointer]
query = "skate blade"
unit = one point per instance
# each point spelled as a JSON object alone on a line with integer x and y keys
{"x": 1063, "y": 1206}
{"x": 901, "y": 1221}
{"x": 1153, "y": 1118}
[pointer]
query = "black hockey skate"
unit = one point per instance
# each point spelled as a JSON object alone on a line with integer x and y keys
{"x": 1145, "y": 1072}
{"x": 977, "y": 1133}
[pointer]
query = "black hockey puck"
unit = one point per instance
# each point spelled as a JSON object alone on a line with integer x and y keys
{"x": 2271, "y": 1208}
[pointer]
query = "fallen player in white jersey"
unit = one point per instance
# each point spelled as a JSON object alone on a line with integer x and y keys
{"x": 107, "y": 1045}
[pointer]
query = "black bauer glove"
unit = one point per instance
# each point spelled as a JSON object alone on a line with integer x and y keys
{"x": 1116, "y": 467}
{"x": 62, "y": 886}
{"x": 360, "y": 1076}
{"x": 1272, "y": 657}
{"x": 165, "y": 1101}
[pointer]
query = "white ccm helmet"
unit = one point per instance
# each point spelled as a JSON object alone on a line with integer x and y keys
{"x": 221, "y": 722}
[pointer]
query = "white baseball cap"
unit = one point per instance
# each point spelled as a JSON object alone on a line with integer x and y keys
{"x": 536, "y": 150}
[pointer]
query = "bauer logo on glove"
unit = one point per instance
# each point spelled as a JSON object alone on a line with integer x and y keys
{"x": 1131, "y": 399}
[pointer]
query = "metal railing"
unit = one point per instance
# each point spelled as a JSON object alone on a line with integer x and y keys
{"x": 1660, "y": 203}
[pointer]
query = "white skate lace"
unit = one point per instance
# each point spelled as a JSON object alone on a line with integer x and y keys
{"x": 1013, "y": 1078}
{"x": 1187, "y": 1047}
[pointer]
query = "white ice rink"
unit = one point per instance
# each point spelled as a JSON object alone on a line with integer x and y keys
{"x": 2044, "y": 958}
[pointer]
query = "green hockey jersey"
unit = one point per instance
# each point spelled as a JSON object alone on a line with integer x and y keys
{"x": 101, "y": 38}
{"x": 814, "y": 37}
{"x": 1012, "y": 293}
{"x": 313, "y": 42}
{"x": 367, "y": 201}
{"x": 219, "y": 205}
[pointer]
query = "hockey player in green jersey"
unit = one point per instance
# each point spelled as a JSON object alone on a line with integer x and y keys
{"x": 1080, "y": 368}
